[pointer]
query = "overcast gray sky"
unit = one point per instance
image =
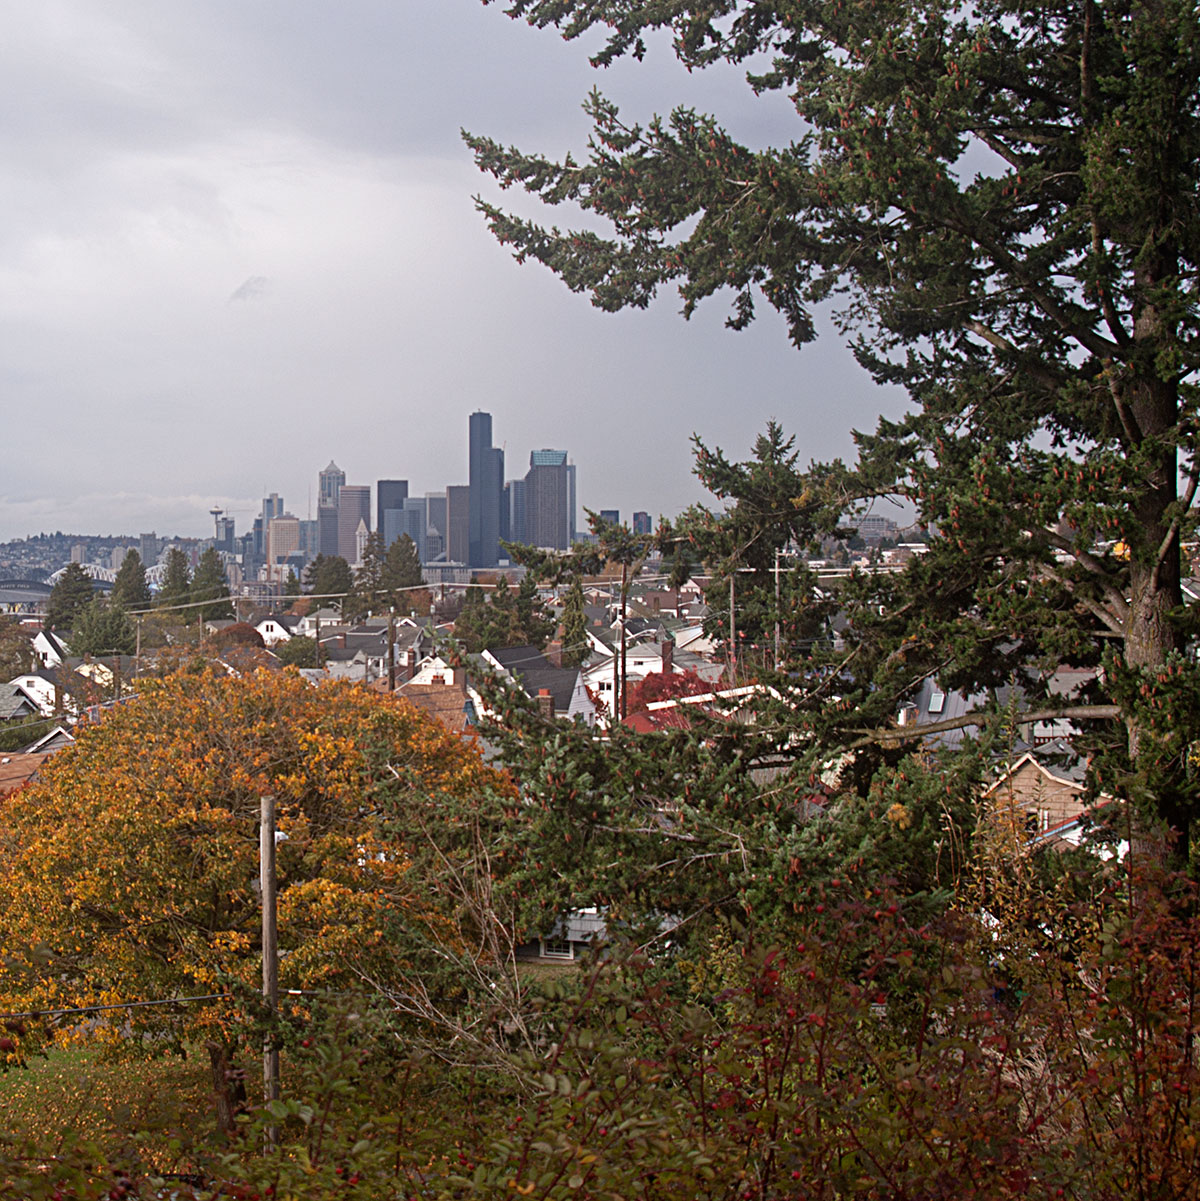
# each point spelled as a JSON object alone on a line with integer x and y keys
{"x": 239, "y": 240}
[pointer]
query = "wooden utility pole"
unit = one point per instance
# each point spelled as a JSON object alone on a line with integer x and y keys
{"x": 391, "y": 649}
{"x": 732, "y": 633}
{"x": 624, "y": 608}
{"x": 270, "y": 954}
{"x": 778, "y": 664}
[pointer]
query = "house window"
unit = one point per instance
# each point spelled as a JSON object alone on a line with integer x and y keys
{"x": 937, "y": 702}
{"x": 557, "y": 948}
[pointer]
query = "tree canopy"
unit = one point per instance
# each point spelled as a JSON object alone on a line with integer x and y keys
{"x": 103, "y": 628}
{"x": 132, "y": 859}
{"x": 575, "y": 645}
{"x": 1002, "y": 201}
{"x": 502, "y": 617}
{"x": 329, "y": 575}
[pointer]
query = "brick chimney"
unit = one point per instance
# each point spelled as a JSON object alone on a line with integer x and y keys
{"x": 668, "y": 655}
{"x": 545, "y": 702}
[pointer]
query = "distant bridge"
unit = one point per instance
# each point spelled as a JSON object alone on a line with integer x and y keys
{"x": 101, "y": 575}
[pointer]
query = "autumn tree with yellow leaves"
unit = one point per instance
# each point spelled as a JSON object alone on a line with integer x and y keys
{"x": 132, "y": 862}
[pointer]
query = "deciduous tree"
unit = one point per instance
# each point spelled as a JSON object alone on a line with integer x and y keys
{"x": 298, "y": 651}
{"x": 133, "y": 859}
{"x": 16, "y": 649}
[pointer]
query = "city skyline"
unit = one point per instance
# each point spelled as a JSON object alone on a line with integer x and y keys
{"x": 237, "y": 237}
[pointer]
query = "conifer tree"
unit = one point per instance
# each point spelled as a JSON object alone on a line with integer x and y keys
{"x": 177, "y": 580}
{"x": 211, "y": 585}
{"x": 71, "y": 594}
{"x": 130, "y": 589}
{"x": 534, "y": 623}
{"x": 103, "y": 628}
{"x": 402, "y": 565}
{"x": 329, "y": 576}
{"x": 1005, "y": 199}
{"x": 366, "y": 593}
{"x": 575, "y": 646}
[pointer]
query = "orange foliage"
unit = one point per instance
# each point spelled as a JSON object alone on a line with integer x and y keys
{"x": 131, "y": 864}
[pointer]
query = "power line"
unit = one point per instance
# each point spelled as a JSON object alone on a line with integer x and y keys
{"x": 215, "y": 996}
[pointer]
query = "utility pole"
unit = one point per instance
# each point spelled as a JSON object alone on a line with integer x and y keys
{"x": 732, "y": 633}
{"x": 270, "y": 955}
{"x": 624, "y": 604}
{"x": 778, "y": 664}
{"x": 616, "y": 699}
{"x": 391, "y": 649}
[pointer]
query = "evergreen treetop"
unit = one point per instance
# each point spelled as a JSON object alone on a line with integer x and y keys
{"x": 130, "y": 589}
{"x": 329, "y": 576}
{"x": 177, "y": 580}
{"x": 211, "y": 585}
{"x": 71, "y": 594}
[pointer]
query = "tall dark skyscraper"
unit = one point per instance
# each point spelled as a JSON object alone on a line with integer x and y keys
{"x": 486, "y": 481}
{"x": 390, "y": 496}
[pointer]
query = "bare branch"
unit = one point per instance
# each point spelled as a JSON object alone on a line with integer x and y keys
{"x": 913, "y": 733}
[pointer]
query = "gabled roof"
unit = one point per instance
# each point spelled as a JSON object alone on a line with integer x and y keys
{"x": 534, "y": 672}
{"x": 15, "y": 703}
{"x": 17, "y": 769}
{"x": 446, "y": 703}
{"x": 289, "y": 621}
{"x": 372, "y": 642}
{"x": 56, "y": 740}
{"x": 55, "y": 643}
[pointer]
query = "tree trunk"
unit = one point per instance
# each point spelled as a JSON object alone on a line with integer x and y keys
{"x": 1155, "y": 593}
{"x": 229, "y": 1088}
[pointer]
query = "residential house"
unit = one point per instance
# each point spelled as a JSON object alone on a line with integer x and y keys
{"x": 559, "y": 689}
{"x": 55, "y": 690}
{"x": 569, "y": 938}
{"x": 444, "y": 696}
{"x": 49, "y": 650}
{"x": 1041, "y": 794}
{"x": 641, "y": 660}
{"x": 16, "y": 704}
{"x": 278, "y": 627}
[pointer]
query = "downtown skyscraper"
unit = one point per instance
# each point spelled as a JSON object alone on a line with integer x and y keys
{"x": 486, "y": 483}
